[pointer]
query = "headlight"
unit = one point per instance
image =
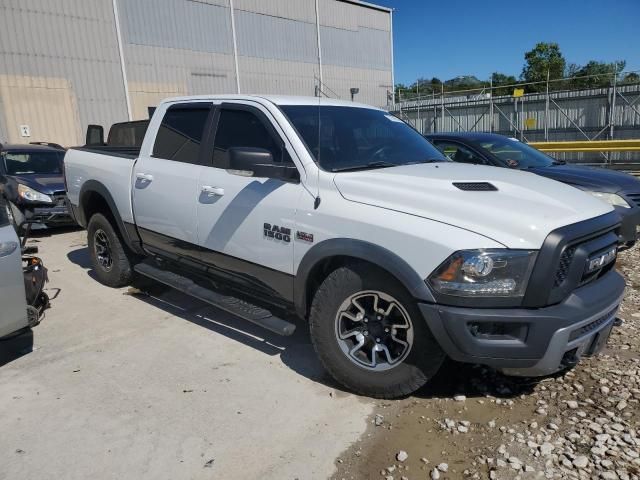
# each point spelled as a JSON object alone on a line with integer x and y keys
{"x": 32, "y": 195}
{"x": 611, "y": 199}
{"x": 484, "y": 273}
{"x": 7, "y": 248}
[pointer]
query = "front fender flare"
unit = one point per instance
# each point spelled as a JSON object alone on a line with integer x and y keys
{"x": 361, "y": 250}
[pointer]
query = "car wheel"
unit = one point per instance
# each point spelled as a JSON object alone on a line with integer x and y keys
{"x": 369, "y": 334}
{"x": 110, "y": 260}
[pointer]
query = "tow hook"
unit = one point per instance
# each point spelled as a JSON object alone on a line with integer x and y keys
{"x": 617, "y": 322}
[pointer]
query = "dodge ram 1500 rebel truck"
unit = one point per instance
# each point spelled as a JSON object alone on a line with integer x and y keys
{"x": 343, "y": 214}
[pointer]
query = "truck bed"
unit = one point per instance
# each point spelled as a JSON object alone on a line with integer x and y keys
{"x": 112, "y": 167}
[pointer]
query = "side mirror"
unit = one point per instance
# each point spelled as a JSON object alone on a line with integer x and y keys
{"x": 251, "y": 162}
{"x": 95, "y": 136}
{"x": 259, "y": 162}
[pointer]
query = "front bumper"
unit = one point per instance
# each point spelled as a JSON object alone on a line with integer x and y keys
{"x": 629, "y": 227}
{"x": 55, "y": 214}
{"x": 530, "y": 342}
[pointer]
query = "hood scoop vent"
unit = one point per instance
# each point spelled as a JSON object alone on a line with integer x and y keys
{"x": 475, "y": 186}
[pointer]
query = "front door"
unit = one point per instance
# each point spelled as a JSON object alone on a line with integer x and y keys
{"x": 247, "y": 224}
{"x": 165, "y": 183}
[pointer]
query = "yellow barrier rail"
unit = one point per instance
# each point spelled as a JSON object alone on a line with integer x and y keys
{"x": 589, "y": 146}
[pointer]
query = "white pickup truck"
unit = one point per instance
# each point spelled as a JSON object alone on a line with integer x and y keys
{"x": 341, "y": 213}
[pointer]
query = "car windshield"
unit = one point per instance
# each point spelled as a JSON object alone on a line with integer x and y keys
{"x": 517, "y": 154}
{"x": 33, "y": 163}
{"x": 354, "y": 138}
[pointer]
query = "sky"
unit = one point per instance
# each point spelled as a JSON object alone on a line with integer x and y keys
{"x": 444, "y": 39}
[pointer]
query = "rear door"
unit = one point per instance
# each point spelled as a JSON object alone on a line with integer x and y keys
{"x": 165, "y": 180}
{"x": 246, "y": 224}
{"x": 13, "y": 304}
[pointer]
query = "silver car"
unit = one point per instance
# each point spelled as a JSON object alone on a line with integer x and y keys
{"x": 13, "y": 305}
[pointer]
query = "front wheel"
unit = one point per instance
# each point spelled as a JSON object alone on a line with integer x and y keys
{"x": 370, "y": 335}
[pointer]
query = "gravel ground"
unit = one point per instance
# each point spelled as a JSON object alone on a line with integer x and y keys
{"x": 475, "y": 423}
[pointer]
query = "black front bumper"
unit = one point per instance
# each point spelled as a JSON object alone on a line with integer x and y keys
{"x": 530, "y": 341}
{"x": 630, "y": 220}
{"x": 57, "y": 214}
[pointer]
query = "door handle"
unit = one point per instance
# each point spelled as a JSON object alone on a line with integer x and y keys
{"x": 211, "y": 191}
{"x": 144, "y": 176}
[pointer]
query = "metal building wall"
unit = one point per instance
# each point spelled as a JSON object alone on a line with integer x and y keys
{"x": 356, "y": 50}
{"x": 60, "y": 64}
{"x": 59, "y": 69}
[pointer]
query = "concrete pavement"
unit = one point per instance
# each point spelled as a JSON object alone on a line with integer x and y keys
{"x": 163, "y": 387}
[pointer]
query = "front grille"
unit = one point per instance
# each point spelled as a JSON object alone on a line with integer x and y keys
{"x": 590, "y": 327}
{"x": 569, "y": 256}
{"x": 634, "y": 197}
{"x": 563, "y": 266}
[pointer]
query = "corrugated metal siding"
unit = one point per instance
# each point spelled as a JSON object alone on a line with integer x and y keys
{"x": 303, "y": 10}
{"x": 259, "y": 75}
{"x": 265, "y": 36}
{"x": 362, "y": 48}
{"x": 60, "y": 66}
{"x": 179, "y": 24}
{"x": 334, "y": 13}
{"x": 373, "y": 84}
{"x": 45, "y": 45}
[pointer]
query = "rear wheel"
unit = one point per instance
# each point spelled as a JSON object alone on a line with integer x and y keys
{"x": 370, "y": 335}
{"x": 111, "y": 262}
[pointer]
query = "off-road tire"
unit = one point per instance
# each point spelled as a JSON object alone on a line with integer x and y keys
{"x": 121, "y": 271}
{"x": 421, "y": 364}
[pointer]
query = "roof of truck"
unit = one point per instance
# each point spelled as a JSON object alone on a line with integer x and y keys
{"x": 275, "y": 99}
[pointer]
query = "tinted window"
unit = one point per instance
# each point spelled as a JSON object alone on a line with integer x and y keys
{"x": 517, "y": 154}
{"x": 240, "y": 128}
{"x": 180, "y": 134}
{"x": 343, "y": 138}
{"x": 458, "y": 153}
{"x": 32, "y": 163}
{"x": 127, "y": 134}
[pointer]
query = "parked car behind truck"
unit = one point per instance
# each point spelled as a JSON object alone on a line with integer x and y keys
{"x": 619, "y": 189}
{"x": 343, "y": 214}
{"x": 33, "y": 184}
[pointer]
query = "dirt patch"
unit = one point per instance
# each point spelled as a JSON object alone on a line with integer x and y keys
{"x": 472, "y": 422}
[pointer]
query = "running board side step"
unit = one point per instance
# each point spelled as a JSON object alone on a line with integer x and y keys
{"x": 233, "y": 305}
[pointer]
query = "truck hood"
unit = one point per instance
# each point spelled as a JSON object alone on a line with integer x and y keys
{"x": 523, "y": 210}
{"x": 47, "y": 184}
{"x": 594, "y": 179}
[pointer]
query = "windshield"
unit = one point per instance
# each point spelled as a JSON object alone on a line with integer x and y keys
{"x": 351, "y": 138}
{"x": 33, "y": 163}
{"x": 517, "y": 154}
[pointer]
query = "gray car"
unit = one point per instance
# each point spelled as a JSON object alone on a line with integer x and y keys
{"x": 13, "y": 314}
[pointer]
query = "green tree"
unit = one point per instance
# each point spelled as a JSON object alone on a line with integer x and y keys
{"x": 543, "y": 58}
{"x": 595, "y": 74}
{"x": 631, "y": 78}
{"x": 498, "y": 79}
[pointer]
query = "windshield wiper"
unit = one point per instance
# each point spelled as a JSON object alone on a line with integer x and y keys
{"x": 383, "y": 164}
{"x": 366, "y": 166}
{"x": 558, "y": 162}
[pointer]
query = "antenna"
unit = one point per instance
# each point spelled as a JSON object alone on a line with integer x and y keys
{"x": 316, "y": 202}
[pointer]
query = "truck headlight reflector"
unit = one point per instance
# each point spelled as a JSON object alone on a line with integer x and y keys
{"x": 484, "y": 273}
{"x": 611, "y": 199}
{"x": 31, "y": 195}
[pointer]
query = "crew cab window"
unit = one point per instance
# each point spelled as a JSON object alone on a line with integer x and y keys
{"x": 180, "y": 135}
{"x": 458, "y": 153}
{"x": 241, "y": 128}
